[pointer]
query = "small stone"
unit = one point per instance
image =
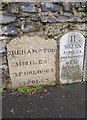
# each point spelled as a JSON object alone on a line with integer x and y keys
{"x": 30, "y": 27}
{"x": 63, "y": 18}
{"x": 67, "y": 7}
{"x": 81, "y": 27}
{"x": 28, "y": 7}
{"x": 84, "y": 4}
{"x": 2, "y": 49}
{"x": 81, "y": 6}
{"x": 4, "y": 19}
{"x": 41, "y": 97}
{"x": 45, "y": 108}
{"x": 33, "y": 92}
{"x": 70, "y": 19}
{"x": 51, "y": 19}
{"x": 9, "y": 30}
{"x": 34, "y": 17}
{"x": 43, "y": 19}
{"x": 45, "y": 91}
{"x": 4, "y": 38}
{"x": 49, "y": 6}
{"x": 77, "y": 4}
{"x": 13, "y": 8}
{"x": 47, "y": 19}
{"x": 60, "y": 116}
{"x": 82, "y": 9}
{"x": 4, "y": 71}
{"x": 84, "y": 19}
{"x": 2, "y": 59}
{"x": 78, "y": 19}
{"x": 25, "y": 28}
{"x": 55, "y": 37}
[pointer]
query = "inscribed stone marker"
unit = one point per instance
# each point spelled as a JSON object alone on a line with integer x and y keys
{"x": 31, "y": 61}
{"x": 71, "y": 57}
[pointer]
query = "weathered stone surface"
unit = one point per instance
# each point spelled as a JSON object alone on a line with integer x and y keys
{"x": 49, "y": 6}
{"x": 55, "y": 30}
{"x": 2, "y": 49}
{"x": 9, "y": 30}
{"x": 82, "y": 9}
{"x": 4, "y": 38}
{"x": 29, "y": 16}
{"x": 77, "y": 4}
{"x": 28, "y": 26}
{"x": 0, "y": 87}
{"x": 4, "y": 71}
{"x": 79, "y": 26}
{"x": 45, "y": 19}
{"x": 71, "y": 19}
{"x": 62, "y": 18}
{"x": 13, "y": 8}
{"x": 2, "y": 59}
{"x": 0, "y": 6}
{"x": 28, "y": 7}
{"x": 67, "y": 7}
{"x": 71, "y": 57}
{"x": 57, "y": 19}
{"x": 32, "y": 61}
{"x": 84, "y": 19}
{"x": 4, "y": 85}
{"x": 81, "y": 6}
{"x": 85, "y": 65}
{"x": 6, "y": 19}
{"x": 34, "y": 17}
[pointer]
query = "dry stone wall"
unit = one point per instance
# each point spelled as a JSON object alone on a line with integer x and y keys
{"x": 49, "y": 20}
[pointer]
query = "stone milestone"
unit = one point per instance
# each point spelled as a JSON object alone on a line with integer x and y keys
{"x": 31, "y": 61}
{"x": 72, "y": 57}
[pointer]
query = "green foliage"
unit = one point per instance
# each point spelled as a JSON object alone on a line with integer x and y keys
{"x": 1, "y": 91}
{"x": 27, "y": 88}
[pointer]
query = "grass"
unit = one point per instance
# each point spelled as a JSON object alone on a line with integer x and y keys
{"x": 1, "y": 90}
{"x": 24, "y": 89}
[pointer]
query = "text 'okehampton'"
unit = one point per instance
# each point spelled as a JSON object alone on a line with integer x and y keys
{"x": 31, "y": 51}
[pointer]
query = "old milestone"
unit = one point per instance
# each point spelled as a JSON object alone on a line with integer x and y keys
{"x": 32, "y": 61}
{"x": 71, "y": 57}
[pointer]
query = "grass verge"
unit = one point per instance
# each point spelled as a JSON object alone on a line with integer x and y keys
{"x": 24, "y": 89}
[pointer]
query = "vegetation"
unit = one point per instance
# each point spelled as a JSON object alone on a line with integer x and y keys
{"x": 1, "y": 90}
{"x": 27, "y": 88}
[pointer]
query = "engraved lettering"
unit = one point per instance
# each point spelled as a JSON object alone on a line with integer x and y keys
{"x": 73, "y": 39}
{"x": 32, "y": 51}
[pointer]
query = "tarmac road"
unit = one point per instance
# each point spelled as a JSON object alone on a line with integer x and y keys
{"x": 51, "y": 102}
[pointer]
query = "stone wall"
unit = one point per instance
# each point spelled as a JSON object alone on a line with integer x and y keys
{"x": 48, "y": 20}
